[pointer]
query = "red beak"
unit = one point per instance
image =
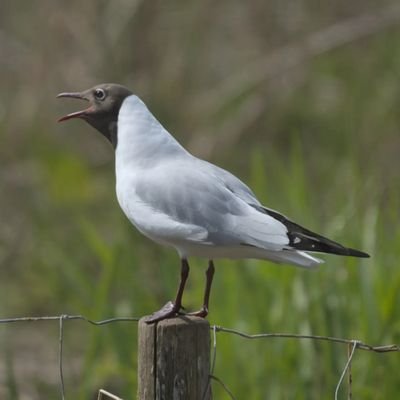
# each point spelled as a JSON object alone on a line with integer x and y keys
{"x": 77, "y": 114}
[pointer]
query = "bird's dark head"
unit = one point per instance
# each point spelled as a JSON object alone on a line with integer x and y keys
{"x": 104, "y": 103}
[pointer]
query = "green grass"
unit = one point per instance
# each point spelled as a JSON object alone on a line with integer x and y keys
{"x": 97, "y": 265}
{"x": 326, "y": 156}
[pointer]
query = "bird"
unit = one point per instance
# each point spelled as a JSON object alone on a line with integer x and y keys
{"x": 187, "y": 203}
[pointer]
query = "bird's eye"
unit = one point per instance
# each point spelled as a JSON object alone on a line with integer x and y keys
{"x": 100, "y": 94}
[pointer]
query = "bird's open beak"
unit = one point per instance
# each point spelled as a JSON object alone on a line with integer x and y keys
{"x": 77, "y": 114}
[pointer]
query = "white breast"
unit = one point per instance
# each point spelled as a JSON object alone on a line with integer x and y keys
{"x": 143, "y": 143}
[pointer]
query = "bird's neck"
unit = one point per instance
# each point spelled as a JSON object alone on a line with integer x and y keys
{"x": 142, "y": 140}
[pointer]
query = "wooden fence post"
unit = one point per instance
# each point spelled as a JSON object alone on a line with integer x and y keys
{"x": 174, "y": 360}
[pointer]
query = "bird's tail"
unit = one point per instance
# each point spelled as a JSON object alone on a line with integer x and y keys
{"x": 299, "y": 258}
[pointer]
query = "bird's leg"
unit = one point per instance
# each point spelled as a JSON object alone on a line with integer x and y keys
{"x": 172, "y": 308}
{"x": 203, "y": 312}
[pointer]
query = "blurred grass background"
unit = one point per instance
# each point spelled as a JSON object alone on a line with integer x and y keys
{"x": 314, "y": 132}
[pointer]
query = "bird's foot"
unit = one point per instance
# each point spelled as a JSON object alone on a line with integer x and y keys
{"x": 169, "y": 310}
{"x": 202, "y": 313}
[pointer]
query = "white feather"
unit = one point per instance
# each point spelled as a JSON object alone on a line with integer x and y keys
{"x": 190, "y": 204}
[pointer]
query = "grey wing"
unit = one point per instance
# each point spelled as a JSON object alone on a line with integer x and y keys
{"x": 211, "y": 198}
{"x": 233, "y": 183}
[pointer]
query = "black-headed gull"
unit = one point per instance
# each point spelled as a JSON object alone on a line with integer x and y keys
{"x": 181, "y": 201}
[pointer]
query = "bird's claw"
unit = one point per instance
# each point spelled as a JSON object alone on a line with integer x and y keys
{"x": 202, "y": 313}
{"x": 169, "y": 310}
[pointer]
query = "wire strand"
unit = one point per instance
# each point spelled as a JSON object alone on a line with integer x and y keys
{"x": 224, "y": 386}
{"x": 60, "y": 355}
{"x": 355, "y": 342}
{"x": 360, "y": 345}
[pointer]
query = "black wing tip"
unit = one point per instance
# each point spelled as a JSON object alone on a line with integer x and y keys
{"x": 357, "y": 253}
{"x": 303, "y": 239}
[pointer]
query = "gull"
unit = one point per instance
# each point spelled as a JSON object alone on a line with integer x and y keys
{"x": 181, "y": 201}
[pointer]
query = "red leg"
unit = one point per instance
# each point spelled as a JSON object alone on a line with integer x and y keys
{"x": 171, "y": 309}
{"x": 203, "y": 312}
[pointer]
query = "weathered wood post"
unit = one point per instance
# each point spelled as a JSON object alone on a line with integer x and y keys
{"x": 174, "y": 360}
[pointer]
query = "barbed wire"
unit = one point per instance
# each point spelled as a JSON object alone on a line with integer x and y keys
{"x": 61, "y": 318}
{"x": 68, "y": 317}
{"x": 360, "y": 344}
{"x": 353, "y": 344}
